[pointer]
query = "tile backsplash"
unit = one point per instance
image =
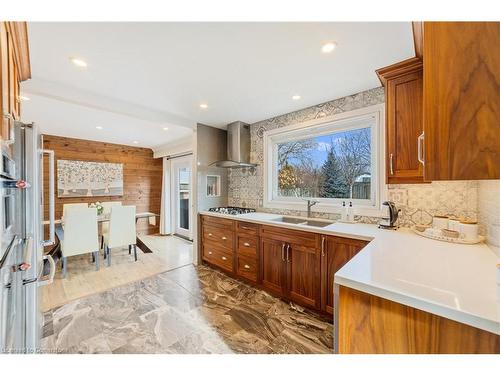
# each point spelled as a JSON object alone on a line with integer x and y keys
{"x": 489, "y": 210}
{"x": 418, "y": 202}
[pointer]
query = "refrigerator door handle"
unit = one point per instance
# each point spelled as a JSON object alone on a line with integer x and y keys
{"x": 28, "y": 252}
{"x": 50, "y": 278}
{"x": 52, "y": 227}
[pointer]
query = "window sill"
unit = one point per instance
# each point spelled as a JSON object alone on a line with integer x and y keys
{"x": 366, "y": 210}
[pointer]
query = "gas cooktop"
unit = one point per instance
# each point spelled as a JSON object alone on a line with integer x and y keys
{"x": 231, "y": 210}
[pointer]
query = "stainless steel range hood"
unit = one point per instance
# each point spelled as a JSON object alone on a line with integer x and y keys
{"x": 238, "y": 147}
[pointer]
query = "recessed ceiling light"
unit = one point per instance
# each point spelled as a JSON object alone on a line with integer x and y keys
{"x": 98, "y": 127}
{"x": 136, "y": 142}
{"x": 23, "y": 98}
{"x": 203, "y": 106}
{"x": 165, "y": 128}
{"x": 78, "y": 62}
{"x": 328, "y": 47}
{"x": 296, "y": 97}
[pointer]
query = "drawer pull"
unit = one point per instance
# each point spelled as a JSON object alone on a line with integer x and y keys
{"x": 224, "y": 258}
{"x": 224, "y": 238}
{"x": 210, "y": 235}
{"x": 245, "y": 227}
{"x": 246, "y": 266}
{"x": 209, "y": 253}
{"x": 246, "y": 244}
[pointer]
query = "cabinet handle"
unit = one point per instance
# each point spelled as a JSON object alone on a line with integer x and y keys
{"x": 209, "y": 253}
{"x": 210, "y": 235}
{"x": 420, "y": 148}
{"x": 224, "y": 238}
{"x": 242, "y": 227}
{"x": 288, "y": 253}
{"x": 224, "y": 258}
{"x": 323, "y": 246}
{"x": 247, "y": 266}
{"x": 283, "y": 252}
{"x": 246, "y": 244}
{"x": 391, "y": 168}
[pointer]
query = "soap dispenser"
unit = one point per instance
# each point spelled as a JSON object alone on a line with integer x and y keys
{"x": 350, "y": 213}
{"x": 343, "y": 214}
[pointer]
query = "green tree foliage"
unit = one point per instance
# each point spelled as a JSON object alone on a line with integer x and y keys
{"x": 334, "y": 185}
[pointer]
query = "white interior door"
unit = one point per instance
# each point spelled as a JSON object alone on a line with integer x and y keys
{"x": 182, "y": 196}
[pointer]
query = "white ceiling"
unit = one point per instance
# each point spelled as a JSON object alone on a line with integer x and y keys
{"x": 142, "y": 77}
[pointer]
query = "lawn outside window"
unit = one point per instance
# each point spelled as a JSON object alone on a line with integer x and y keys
{"x": 332, "y": 160}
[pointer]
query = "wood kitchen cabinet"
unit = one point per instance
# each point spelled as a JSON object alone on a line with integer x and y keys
{"x": 335, "y": 253}
{"x": 461, "y": 100}
{"x": 303, "y": 265}
{"x": 274, "y": 266}
{"x": 369, "y": 324}
{"x": 404, "y": 120}
{"x": 295, "y": 265}
{"x": 291, "y": 265}
{"x": 14, "y": 68}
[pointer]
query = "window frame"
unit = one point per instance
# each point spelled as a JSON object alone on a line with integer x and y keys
{"x": 340, "y": 122}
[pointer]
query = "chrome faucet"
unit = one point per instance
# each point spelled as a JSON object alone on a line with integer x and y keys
{"x": 310, "y": 203}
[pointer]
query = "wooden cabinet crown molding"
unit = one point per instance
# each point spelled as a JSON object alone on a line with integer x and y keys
{"x": 418, "y": 38}
{"x": 19, "y": 33}
{"x": 410, "y": 65}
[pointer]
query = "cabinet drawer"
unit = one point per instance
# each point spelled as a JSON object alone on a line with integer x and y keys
{"x": 247, "y": 228}
{"x": 218, "y": 257}
{"x": 247, "y": 268}
{"x": 291, "y": 236}
{"x": 218, "y": 236}
{"x": 247, "y": 246}
{"x": 218, "y": 222}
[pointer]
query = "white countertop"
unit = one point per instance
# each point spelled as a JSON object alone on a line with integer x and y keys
{"x": 455, "y": 281}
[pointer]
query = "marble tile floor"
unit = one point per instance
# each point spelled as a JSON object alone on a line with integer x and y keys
{"x": 189, "y": 310}
{"x": 82, "y": 279}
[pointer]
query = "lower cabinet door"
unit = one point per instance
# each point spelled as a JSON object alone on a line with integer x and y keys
{"x": 273, "y": 265}
{"x": 218, "y": 257}
{"x": 336, "y": 252}
{"x": 247, "y": 268}
{"x": 304, "y": 276}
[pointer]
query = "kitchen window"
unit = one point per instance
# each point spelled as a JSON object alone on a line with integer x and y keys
{"x": 332, "y": 160}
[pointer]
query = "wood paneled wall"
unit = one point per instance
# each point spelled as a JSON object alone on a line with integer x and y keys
{"x": 142, "y": 174}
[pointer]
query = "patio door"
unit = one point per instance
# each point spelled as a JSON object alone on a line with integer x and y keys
{"x": 182, "y": 196}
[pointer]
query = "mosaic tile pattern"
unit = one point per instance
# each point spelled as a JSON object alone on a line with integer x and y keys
{"x": 189, "y": 310}
{"x": 418, "y": 202}
{"x": 489, "y": 212}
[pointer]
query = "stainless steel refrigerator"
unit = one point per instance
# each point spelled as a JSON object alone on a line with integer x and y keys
{"x": 24, "y": 268}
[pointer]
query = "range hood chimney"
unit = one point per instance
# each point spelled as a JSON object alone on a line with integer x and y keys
{"x": 238, "y": 147}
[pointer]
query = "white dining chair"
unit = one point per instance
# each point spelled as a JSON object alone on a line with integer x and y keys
{"x": 106, "y": 211}
{"x": 121, "y": 231}
{"x": 71, "y": 206}
{"x": 80, "y": 235}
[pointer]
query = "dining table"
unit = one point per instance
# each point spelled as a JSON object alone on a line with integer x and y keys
{"x": 59, "y": 231}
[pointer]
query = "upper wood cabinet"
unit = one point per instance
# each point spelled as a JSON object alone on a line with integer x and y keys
{"x": 14, "y": 68}
{"x": 461, "y": 100}
{"x": 404, "y": 124}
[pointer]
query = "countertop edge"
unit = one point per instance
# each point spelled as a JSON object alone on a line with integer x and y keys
{"x": 422, "y": 304}
{"x": 302, "y": 228}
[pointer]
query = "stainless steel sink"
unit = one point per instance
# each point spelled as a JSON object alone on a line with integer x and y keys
{"x": 302, "y": 221}
{"x": 314, "y": 223}
{"x": 290, "y": 220}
